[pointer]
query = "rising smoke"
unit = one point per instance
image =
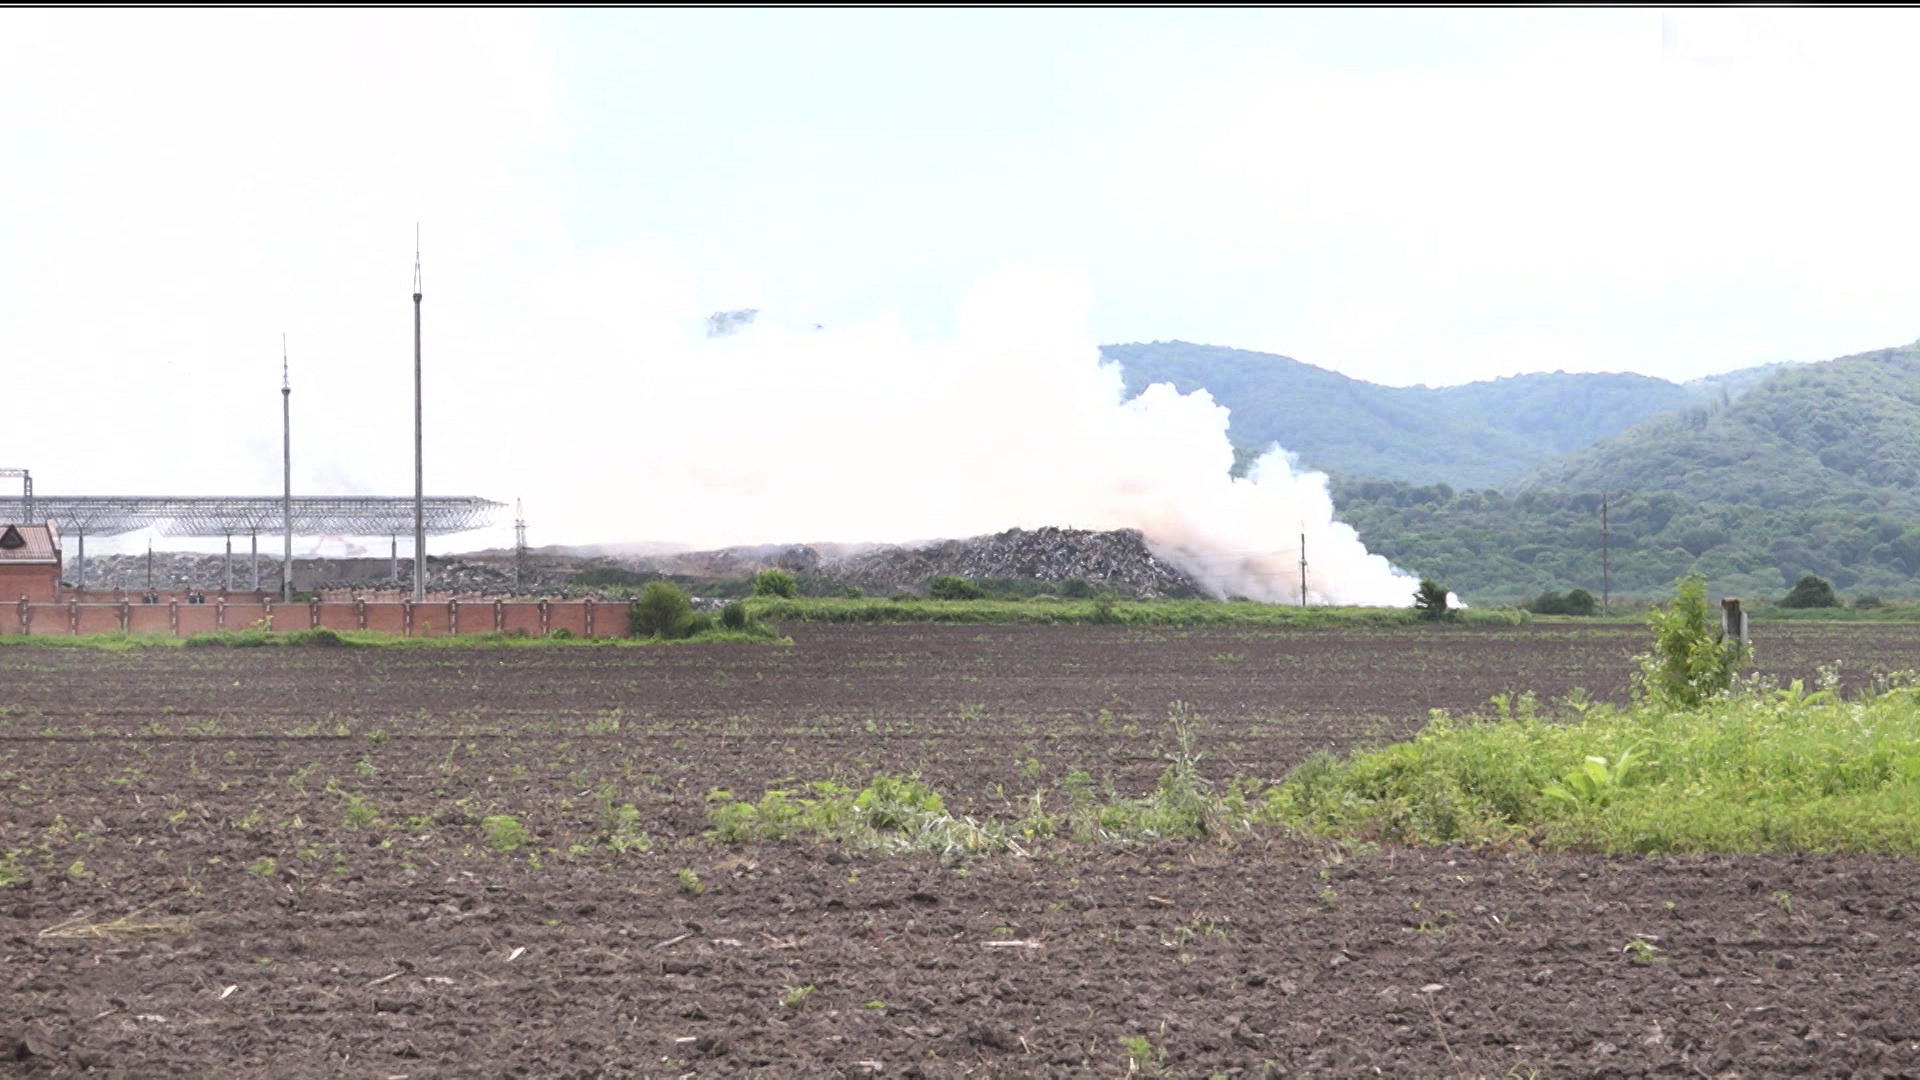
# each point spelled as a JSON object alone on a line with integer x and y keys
{"x": 773, "y": 433}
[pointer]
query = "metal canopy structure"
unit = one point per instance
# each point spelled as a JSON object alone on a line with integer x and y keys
{"x": 204, "y": 516}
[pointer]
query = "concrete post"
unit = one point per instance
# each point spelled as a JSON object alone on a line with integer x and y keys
{"x": 1733, "y": 622}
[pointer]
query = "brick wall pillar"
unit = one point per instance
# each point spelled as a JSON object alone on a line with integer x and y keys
{"x": 545, "y": 617}
{"x": 499, "y": 616}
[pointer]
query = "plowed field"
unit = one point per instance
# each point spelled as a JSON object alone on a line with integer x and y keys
{"x": 280, "y": 862}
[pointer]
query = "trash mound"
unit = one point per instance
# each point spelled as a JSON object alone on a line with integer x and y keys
{"x": 1119, "y": 559}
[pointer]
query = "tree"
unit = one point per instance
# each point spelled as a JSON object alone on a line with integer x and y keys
{"x": 1691, "y": 661}
{"x": 662, "y": 611}
{"x": 775, "y": 582}
{"x": 1430, "y": 600}
{"x": 1581, "y": 602}
{"x": 1811, "y": 592}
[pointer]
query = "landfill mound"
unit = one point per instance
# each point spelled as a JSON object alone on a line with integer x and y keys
{"x": 1119, "y": 560}
{"x": 1048, "y": 558}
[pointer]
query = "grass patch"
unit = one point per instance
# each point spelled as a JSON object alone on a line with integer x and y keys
{"x": 893, "y": 814}
{"x": 1098, "y": 611}
{"x": 1764, "y": 770}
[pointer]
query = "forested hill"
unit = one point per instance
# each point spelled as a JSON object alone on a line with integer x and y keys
{"x": 1484, "y": 434}
{"x": 1815, "y": 470}
{"x": 1845, "y": 433}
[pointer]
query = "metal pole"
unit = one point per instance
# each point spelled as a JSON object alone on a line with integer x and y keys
{"x": 393, "y": 559}
{"x": 80, "y": 582}
{"x": 419, "y": 482}
{"x": 227, "y": 574}
{"x": 255, "y": 534}
{"x": 286, "y": 464}
{"x": 1606, "y": 567}
{"x": 1303, "y": 569}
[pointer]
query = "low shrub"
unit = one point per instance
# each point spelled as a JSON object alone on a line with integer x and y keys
{"x": 775, "y": 582}
{"x": 949, "y": 587}
{"x": 662, "y": 611}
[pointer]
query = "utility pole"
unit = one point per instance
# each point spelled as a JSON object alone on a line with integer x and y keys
{"x": 1606, "y": 567}
{"x": 286, "y": 474}
{"x": 519, "y": 547}
{"x": 1303, "y": 567}
{"x": 419, "y": 481}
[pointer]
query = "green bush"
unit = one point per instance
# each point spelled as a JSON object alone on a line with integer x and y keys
{"x": 734, "y": 616}
{"x": 1811, "y": 592}
{"x": 1868, "y": 602}
{"x": 662, "y": 611}
{"x": 1576, "y": 602}
{"x": 1691, "y": 661}
{"x": 1430, "y": 601}
{"x": 775, "y": 582}
{"x": 1076, "y": 589}
{"x": 949, "y": 587}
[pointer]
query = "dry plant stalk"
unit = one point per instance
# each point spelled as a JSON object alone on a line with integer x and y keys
{"x": 134, "y": 924}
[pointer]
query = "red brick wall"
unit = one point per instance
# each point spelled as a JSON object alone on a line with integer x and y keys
{"x": 37, "y": 583}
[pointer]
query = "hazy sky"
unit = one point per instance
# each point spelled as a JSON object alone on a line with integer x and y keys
{"x": 1402, "y": 196}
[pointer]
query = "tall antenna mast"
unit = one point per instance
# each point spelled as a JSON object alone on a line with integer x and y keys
{"x": 519, "y": 546}
{"x": 419, "y": 481}
{"x": 286, "y": 467}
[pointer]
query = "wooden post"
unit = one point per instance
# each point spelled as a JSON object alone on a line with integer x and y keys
{"x": 1733, "y": 621}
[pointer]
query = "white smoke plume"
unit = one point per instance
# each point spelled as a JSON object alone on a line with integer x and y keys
{"x": 870, "y": 433}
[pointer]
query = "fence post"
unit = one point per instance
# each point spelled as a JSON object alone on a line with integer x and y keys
{"x": 588, "y": 604}
{"x": 220, "y": 612}
{"x": 499, "y": 616}
{"x": 73, "y": 617}
{"x": 360, "y": 612}
{"x": 173, "y": 616}
{"x": 406, "y": 618}
{"x": 1733, "y": 621}
{"x": 26, "y": 616}
{"x": 546, "y": 617}
{"x": 453, "y": 618}
{"x": 126, "y": 616}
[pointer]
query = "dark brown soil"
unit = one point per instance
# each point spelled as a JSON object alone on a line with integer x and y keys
{"x": 273, "y": 862}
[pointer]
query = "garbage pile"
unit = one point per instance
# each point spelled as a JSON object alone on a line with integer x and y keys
{"x": 1118, "y": 560}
